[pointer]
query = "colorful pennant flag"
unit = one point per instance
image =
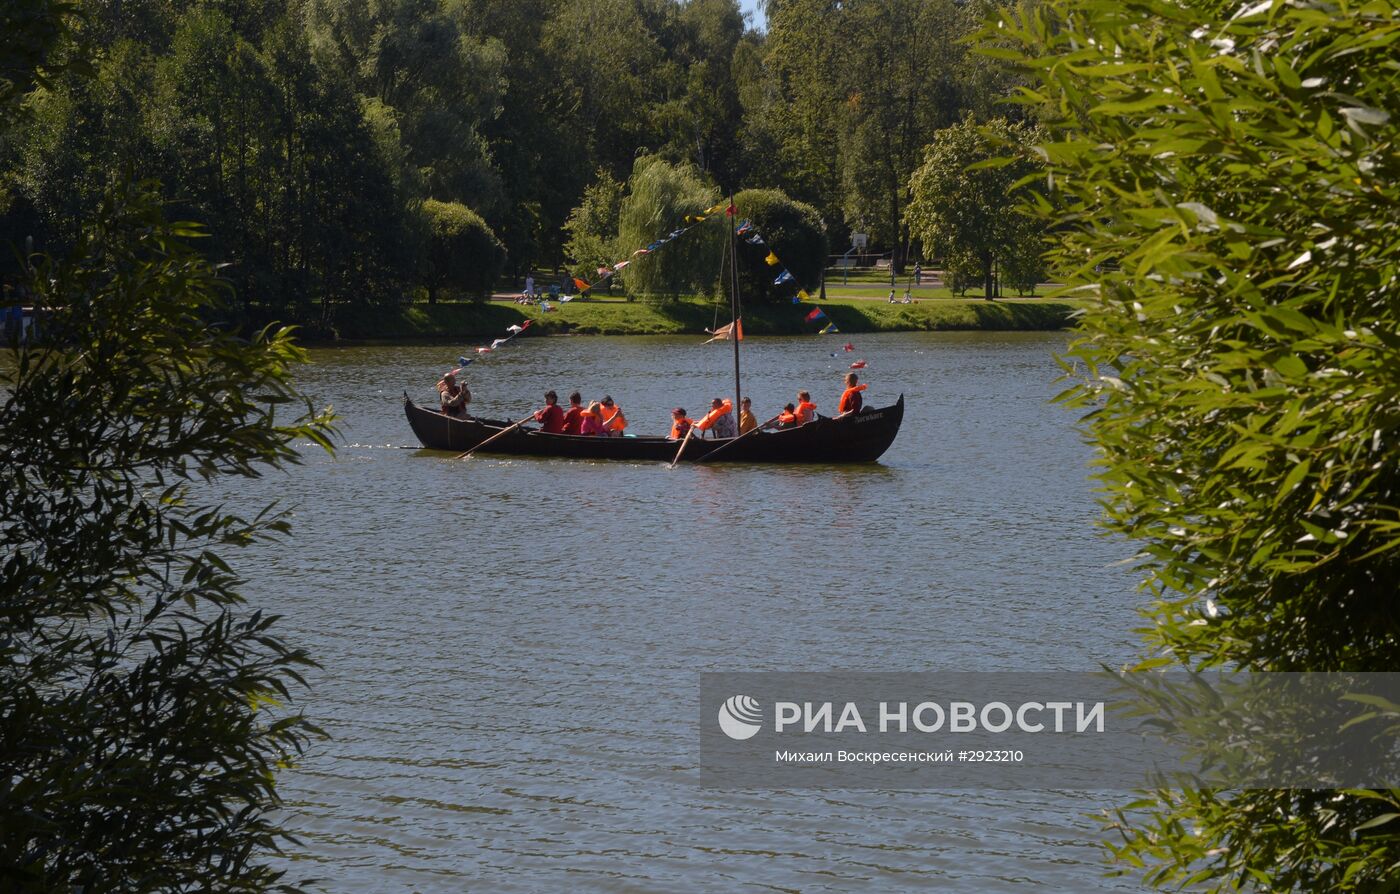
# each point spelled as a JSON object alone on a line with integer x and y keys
{"x": 816, "y": 314}
{"x": 772, "y": 260}
{"x": 620, "y": 264}
{"x": 830, "y": 328}
{"x": 743, "y": 228}
{"x": 583, "y": 285}
{"x": 755, "y": 239}
{"x": 782, "y": 278}
{"x": 802, "y": 295}
{"x": 796, "y": 300}
{"x": 723, "y": 333}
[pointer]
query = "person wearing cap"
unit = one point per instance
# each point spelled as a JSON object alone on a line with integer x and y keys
{"x": 680, "y": 424}
{"x": 452, "y": 397}
{"x": 613, "y": 420}
{"x": 550, "y": 418}
{"x": 720, "y": 419}
{"x": 747, "y": 422}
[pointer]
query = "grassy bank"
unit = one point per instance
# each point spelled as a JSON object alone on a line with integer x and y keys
{"x": 488, "y": 320}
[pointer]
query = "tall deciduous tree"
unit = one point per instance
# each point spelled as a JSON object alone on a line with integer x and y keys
{"x": 965, "y": 203}
{"x": 463, "y": 253}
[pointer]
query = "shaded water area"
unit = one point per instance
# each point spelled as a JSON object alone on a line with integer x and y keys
{"x": 511, "y": 647}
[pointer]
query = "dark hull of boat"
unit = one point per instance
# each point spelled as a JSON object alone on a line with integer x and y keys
{"x": 858, "y": 438}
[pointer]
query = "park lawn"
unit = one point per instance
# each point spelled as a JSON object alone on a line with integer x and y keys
{"x": 691, "y": 316}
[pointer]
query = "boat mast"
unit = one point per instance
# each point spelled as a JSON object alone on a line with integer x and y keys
{"x": 730, "y": 216}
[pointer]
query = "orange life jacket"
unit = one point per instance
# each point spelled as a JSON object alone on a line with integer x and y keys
{"x": 710, "y": 417}
{"x": 851, "y": 400}
{"x": 613, "y": 420}
{"x": 680, "y": 426}
{"x": 786, "y": 418}
{"x": 806, "y": 412}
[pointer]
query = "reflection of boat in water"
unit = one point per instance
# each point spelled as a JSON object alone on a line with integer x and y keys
{"x": 858, "y": 437}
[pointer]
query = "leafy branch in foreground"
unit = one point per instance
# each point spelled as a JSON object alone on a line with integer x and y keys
{"x": 1226, "y": 181}
{"x": 142, "y": 707}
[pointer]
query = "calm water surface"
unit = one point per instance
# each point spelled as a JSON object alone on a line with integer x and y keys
{"x": 511, "y": 647}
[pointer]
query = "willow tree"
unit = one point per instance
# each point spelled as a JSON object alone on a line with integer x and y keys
{"x": 1228, "y": 183}
{"x": 662, "y": 198}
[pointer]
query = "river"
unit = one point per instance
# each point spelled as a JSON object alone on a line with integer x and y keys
{"x": 510, "y": 648}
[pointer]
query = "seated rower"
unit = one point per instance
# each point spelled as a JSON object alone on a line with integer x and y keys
{"x": 573, "y": 418}
{"x": 592, "y": 421}
{"x": 452, "y": 397}
{"x": 851, "y": 401}
{"x": 806, "y": 410}
{"x": 680, "y": 424}
{"x": 747, "y": 422}
{"x": 551, "y": 418}
{"x": 720, "y": 419}
{"x": 613, "y": 420}
{"x": 788, "y": 417}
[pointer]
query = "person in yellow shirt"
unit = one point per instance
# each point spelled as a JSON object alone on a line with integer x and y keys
{"x": 747, "y": 422}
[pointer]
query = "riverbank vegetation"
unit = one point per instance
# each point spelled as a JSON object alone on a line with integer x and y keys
{"x": 346, "y": 155}
{"x": 1226, "y": 179}
{"x": 466, "y": 321}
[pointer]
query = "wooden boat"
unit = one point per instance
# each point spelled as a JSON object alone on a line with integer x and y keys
{"x": 856, "y": 438}
{"x": 859, "y": 437}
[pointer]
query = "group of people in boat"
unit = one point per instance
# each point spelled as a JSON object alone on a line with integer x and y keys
{"x": 604, "y": 418}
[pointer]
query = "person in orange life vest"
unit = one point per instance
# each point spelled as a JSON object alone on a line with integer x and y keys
{"x": 747, "y": 422}
{"x": 452, "y": 396}
{"x": 680, "y": 424}
{"x": 851, "y": 401}
{"x": 573, "y": 418}
{"x": 720, "y": 419}
{"x": 613, "y": 420}
{"x": 788, "y": 417}
{"x": 806, "y": 410}
{"x": 551, "y": 418}
{"x": 591, "y": 422}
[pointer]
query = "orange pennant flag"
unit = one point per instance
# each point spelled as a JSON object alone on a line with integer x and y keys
{"x": 582, "y": 286}
{"x": 772, "y": 260}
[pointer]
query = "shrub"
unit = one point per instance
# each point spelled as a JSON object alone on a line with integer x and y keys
{"x": 1229, "y": 188}
{"x": 463, "y": 253}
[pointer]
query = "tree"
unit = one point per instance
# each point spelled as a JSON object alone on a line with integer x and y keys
{"x": 592, "y": 227}
{"x": 971, "y": 212}
{"x": 793, "y": 231}
{"x": 661, "y": 198}
{"x": 142, "y": 708}
{"x": 463, "y": 253}
{"x": 1228, "y": 189}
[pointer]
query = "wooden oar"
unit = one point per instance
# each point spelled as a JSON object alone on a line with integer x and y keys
{"x": 723, "y": 447}
{"x": 686, "y": 440}
{"x": 504, "y": 431}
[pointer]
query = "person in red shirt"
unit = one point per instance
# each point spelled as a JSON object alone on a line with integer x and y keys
{"x": 573, "y": 419}
{"x": 851, "y": 401}
{"x": 551, "y": 418}
{"x": 806, "y": 410}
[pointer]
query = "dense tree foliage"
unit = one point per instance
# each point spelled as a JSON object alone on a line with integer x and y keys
{"x": 965, "y": 202}
{"x": 463, "y": 254}
{"x": 663, "y": 197}
{"x": 1228, "y": 185}
{"x": 307, "y": 133}
{"x": 141, "y": 706}
{"x": 792, "y": 231}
